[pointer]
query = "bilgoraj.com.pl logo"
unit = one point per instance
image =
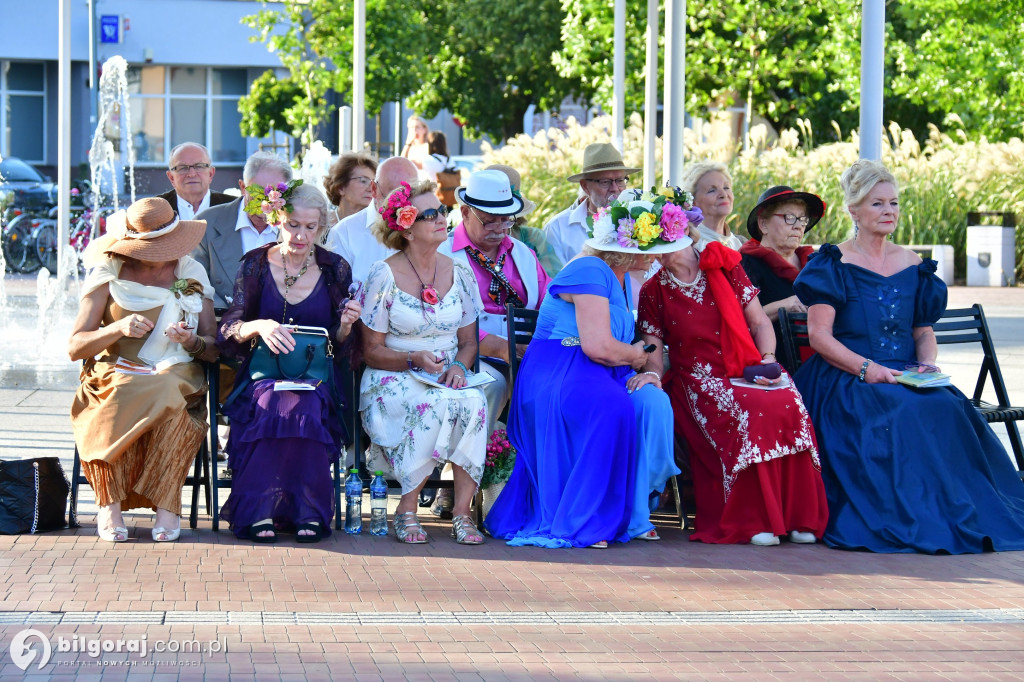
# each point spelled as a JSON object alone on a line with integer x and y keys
{"x": 29, "y": 643}
{"x": 24, "y": 648}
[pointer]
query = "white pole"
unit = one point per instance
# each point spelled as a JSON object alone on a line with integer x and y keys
{"x": 398, "y": 129}
{"x": 651, "y": 97}
{"x": 675, "y": 91}
{"x": 619, "y": 74}
{"x": 344, "y": 129}
{"x": 872, "y": 66}
{"x": 63, "y": 138}
{"x": 359, "y": 78}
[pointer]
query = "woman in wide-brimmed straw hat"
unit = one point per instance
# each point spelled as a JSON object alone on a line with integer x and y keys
{"x": 593, "y": 438}
{"x": 146, "y": 317}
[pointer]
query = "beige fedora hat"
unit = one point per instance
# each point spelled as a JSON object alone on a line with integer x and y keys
{"x": 517, "y": 186}
{"x": 601, "y": 156}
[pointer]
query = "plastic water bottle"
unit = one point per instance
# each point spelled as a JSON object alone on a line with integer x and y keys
{"x": 353, "y": 503}
{"x": 378, "y": 504}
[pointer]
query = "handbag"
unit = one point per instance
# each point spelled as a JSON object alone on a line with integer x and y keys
{"x": 33, "y": 495}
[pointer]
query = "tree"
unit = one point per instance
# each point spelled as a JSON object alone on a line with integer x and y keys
{"x": 313, "y": 39}
{"x": 491, "y": 60}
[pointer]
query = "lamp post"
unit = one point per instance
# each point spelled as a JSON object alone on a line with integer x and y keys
{"x": 872, "y": 71}
{"x": 675, "y": 91}
{"x": 359, "y": 77}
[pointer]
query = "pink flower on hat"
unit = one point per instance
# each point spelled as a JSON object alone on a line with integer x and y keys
{"x": 673, "y": 222}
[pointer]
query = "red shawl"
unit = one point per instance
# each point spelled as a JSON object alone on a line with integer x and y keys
{"x": 779, "y": 265}
{"x": 738, "y": 349}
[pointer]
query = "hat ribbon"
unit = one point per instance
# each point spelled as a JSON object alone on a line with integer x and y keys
{"x": 604, "y": 164}
{"x": 485, "y": 202}
{"x": 152, "y": 234}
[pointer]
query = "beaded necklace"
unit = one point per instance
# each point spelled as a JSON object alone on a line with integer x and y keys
{"x": 290, "y": 280}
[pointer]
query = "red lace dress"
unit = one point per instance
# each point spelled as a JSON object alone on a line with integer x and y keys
{"x": 753, "y": 452}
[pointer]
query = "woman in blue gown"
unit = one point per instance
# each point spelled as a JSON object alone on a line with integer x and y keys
{"x": 905, "y": 469}
{"x": 593, "y": 438}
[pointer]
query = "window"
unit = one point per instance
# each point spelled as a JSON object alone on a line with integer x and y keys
{"x": 23, "y": 110}
{"x": 175, "y": 104}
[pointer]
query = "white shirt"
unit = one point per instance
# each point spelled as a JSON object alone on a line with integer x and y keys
{"x": 707, "y": 235}
{"x": 353, "y": 240}
{"x": 185, "y": 211}
{"x": 252, "y": 239}
{"x": 567, "y": 231}
{"x": 432, "y": 165}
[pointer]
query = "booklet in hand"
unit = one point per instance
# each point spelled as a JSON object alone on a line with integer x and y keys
{"x": 923, "y": 379}
{"x": 473, "y": 379}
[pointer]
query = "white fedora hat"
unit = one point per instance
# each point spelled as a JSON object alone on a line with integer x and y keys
{"x": 491, "y": 192}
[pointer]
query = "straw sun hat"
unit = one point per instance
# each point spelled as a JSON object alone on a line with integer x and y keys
{"x": 150, "y": 231}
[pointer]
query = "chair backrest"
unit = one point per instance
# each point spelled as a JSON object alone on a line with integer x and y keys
{"x": 968, "y": 325}
{"x": 521, "y": 324}
{"x": 794, "y": 337}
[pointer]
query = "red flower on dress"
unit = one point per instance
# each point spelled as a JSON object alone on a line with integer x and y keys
{"x": 429, "y": 295}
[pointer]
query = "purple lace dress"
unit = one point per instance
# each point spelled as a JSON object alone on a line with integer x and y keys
{"x": 283, "y": 443}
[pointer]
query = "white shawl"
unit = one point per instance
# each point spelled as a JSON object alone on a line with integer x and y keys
{"x": 158, "y": 350}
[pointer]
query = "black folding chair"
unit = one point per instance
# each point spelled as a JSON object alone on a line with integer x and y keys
{"x": 794, "y": 337}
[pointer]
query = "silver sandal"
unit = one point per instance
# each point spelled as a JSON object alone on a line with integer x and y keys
{"x": 463, "y": 527}
{"x": 407, "y": 524}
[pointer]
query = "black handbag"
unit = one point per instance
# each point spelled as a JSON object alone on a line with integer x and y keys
{"x": 33, "y": 495}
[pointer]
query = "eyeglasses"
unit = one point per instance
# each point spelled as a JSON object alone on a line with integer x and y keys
{"x": 432, "y": 213}
{"x": 361, "y": 179}
{"x": 184, "y": 168}
{"x": 502, "y": 223}
{"x": 791, "y": 219}
{"x": 608, "y": 182}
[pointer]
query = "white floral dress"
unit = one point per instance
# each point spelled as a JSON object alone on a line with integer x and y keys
{"x": 412, "y": 426}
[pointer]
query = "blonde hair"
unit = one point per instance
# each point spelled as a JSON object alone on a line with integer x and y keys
{"x": 393, "y": 239}
{"x": 695, "y": 171}
{"x": 309, "y": 196}
{"x": 616, "y": 260}
{"x": 859, "y": 179}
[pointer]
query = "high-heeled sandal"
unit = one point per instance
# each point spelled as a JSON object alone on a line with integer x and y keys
{"x": 406, "y": 525}
{"x": 109, "y": 533}
{"x": 463, "y": 527}
{"x": 170, "y": 534}
{"x": 651, "y": 535}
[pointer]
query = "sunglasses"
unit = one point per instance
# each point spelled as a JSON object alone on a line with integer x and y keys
{"x": 432, "y": 213}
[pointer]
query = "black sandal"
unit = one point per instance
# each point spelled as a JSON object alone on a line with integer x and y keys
{"x": 318, "y": 532}
{"x": 257, "y": 528}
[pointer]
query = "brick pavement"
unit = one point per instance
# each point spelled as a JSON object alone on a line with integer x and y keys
{"x": 369, "y": 608}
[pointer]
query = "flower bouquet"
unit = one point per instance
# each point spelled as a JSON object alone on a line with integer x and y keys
{"x": 643, "y": 220}
{"x": 271, "y": 201}
{"x": 501, "y": 459}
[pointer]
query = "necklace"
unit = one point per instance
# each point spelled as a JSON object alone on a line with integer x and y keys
{"x": 428, "y": 294}
{"x": 290, "y": 280}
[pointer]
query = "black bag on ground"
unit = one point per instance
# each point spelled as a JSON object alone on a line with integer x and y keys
{"x": 33, "y": 495}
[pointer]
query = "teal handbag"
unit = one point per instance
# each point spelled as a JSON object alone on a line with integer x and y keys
{"x": 312, "y": 359}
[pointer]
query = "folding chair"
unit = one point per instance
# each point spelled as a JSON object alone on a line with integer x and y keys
{"x": 794, "y": 337}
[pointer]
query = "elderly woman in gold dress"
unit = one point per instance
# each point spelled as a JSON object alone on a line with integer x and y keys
{"x": 146, "y": 318}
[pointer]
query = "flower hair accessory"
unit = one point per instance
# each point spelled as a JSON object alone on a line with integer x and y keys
{"x": 643, "y": 220}
{"x": 271, "y": 201}
{"x": 398, "y": 212}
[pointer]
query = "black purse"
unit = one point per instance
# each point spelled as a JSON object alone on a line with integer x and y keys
{"x": 33, "y": 495}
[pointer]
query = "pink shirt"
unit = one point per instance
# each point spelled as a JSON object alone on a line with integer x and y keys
{"x": 460, "y": 240}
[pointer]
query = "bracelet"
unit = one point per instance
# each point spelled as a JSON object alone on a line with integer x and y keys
{"x": 653, "y": 374}
{"x": 458, "y": 363}
{"x": 864, "y": 370}
{"x": 764, "y": 355}
{"x": 200, "y": 347}
{"x": 408, "y": 359}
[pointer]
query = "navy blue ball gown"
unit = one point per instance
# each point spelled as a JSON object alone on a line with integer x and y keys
{"x": 588, "y": 454}
{"x": 905, "y": 469}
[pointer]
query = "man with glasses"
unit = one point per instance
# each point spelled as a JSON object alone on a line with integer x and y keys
{"x": 603, "y": 178}
{"x": 352, "y": 238}
{"x": 191, "y": 171}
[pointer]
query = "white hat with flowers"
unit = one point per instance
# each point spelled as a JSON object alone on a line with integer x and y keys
{"x": 640, "y": 222}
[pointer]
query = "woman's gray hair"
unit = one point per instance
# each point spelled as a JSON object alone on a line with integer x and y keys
{"x": 261, "y": 160}
{"x": 616, "y": 260}
{"x": 859, "y": 179}
{"x": 695, "y": 171}
{"x": 309, "y": 196}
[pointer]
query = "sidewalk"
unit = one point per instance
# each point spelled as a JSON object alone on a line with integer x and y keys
{"x": 371, "y": 608}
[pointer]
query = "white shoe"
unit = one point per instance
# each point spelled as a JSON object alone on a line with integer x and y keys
{"x": 764, "y": 539}
{"x": 800, "y": 537}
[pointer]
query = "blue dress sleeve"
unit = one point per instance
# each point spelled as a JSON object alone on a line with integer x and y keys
{"x": 930, "y": 301}
{"x": 821, "y": 280}
{"x": 588, "y": 275}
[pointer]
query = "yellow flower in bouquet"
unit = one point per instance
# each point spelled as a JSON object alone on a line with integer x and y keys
{"x": 646, "y": 229}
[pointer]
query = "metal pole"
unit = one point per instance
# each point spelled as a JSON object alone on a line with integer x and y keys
{"x": 619, "y": 74}
{"x": 345, "y": 129}
{"x": 651, "y": 97}
{"x": 398, "y": 129}
{"x": 673, "y": 149}
{"x": 359, "y": 77}
{"x": 93, "y": 90}
{"x": 872, "y": 67}
{"x": 63, "y": 138}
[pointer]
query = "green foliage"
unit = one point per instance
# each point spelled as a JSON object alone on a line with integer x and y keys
{"x": 274, "y": 104}
{"x": 490, "y": 60}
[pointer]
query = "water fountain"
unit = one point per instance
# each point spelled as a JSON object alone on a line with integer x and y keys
{"x": 316, "y": 164}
